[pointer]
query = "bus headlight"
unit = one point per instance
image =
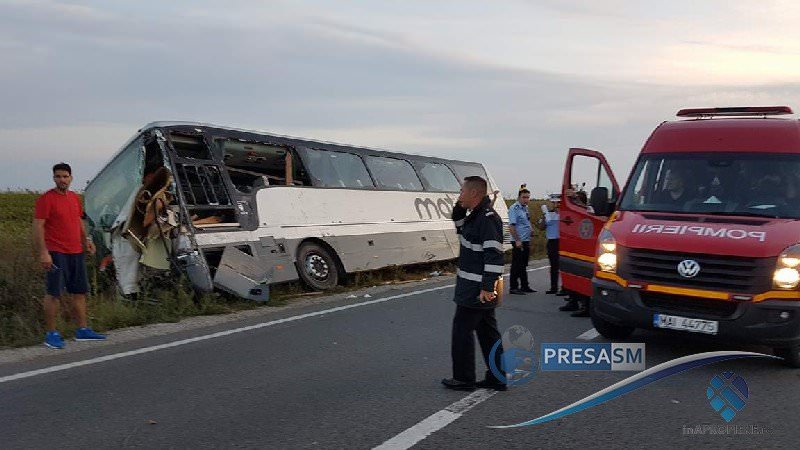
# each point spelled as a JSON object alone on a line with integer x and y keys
{"x": 787, "y": 273}
{"x": 607, "y": 252}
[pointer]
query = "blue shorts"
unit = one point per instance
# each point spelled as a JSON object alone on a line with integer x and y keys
{"x": 68, "y": 273}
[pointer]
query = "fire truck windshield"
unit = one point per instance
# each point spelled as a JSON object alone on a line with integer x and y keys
{"x": 751, "y": 184}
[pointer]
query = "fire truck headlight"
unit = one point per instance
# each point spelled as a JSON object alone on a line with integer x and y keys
{"x": 786, "y": 278}
{"x": 607, "y": 252}
{"x": 787, "y": 273}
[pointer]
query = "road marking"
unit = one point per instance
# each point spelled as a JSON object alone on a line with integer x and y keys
{"x": 140, "y": 351}
{"x": 436, "y": 421}
{"x": 206, "y": 337}
{"x": 589, "y": 335}
{"x": 440, "y": 419}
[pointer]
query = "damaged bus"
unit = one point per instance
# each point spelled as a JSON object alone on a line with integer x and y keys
{"x": 239, "y": 210}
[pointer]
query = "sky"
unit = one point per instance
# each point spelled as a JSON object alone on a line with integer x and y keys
{"x": 512, "y": 84}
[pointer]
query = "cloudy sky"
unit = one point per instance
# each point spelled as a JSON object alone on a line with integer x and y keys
{"x": 510, "y": 83}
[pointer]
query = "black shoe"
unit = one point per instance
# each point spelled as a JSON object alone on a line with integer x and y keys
{"x": 516, "y": 292}
{"x": 551, "y": 291}
{"x": 571, "y": 306}
{"x": 562, "y": 293}
{"x": 492, "y": 384}
{"x": 452, "y": 383}
{"x": 528, "y": 290}
{"x": 583, "y": 312}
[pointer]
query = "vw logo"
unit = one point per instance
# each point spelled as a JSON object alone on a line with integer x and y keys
{"x": 688, "y": 268}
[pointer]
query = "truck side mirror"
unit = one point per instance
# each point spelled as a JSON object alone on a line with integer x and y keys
{"x": 598, "y": 200}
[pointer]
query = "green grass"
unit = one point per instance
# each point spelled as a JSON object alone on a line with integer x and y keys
{"x": 22, "y": 285}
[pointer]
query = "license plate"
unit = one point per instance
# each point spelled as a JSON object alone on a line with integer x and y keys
{"x": 685, "y": 324}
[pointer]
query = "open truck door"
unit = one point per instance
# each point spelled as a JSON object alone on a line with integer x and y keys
{"x": 589, "y": 194}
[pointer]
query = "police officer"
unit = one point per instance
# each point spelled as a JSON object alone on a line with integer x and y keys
{"x": 480, "y": 264}
{"x": 519, "y": 221}
{"x": 549, "y": 223}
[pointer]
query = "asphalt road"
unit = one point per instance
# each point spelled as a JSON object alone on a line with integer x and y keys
{"x": 357, "y": 377}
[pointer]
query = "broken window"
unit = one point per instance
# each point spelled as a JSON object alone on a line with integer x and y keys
{"x": 109, "y": 191}
{"x": 189, "y": 146}
{"x": 206, "y": 197}
{"x": 252, "y": 166}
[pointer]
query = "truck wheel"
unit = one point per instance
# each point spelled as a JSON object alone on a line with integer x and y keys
{"x": 317, "y": 266}
{"x": 609, "y": 330}
{"x": 791, "y": 356}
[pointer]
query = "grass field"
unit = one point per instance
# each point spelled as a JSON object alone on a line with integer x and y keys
{"x": 22, "y": 285}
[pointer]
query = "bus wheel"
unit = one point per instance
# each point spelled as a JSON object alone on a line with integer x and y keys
{"x": 791, "y": 356}
{"x": 609, "y": 330}
{"x": 317, "y": 267}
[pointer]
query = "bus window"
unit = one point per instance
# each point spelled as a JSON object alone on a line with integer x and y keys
{"x": 252, "y": 166}
{"x": 108, "y": 192}
{"x": 438, "y": 177}
{"x": 467, "y": 170}
{"x": 336, "y": 169}
{"x": 187, "y": 146}
{"x": 393, "y": 173}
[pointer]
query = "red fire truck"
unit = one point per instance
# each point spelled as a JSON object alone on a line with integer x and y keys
{"x": 705, "y": 236}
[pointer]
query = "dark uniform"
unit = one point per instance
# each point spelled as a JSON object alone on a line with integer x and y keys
{"x": 480, "y": 263}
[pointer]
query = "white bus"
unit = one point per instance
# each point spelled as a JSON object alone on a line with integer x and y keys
{"x": 240, "y": 210}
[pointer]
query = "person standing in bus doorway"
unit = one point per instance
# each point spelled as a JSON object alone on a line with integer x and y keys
{"x": 59, "y": 239}
{"x": 480, "y": 265}
{"x": 519, "y": 221}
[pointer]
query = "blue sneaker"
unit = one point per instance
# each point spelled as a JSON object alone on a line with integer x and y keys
{"x": 87, "y": 334}
{"x": 54, "y": 340}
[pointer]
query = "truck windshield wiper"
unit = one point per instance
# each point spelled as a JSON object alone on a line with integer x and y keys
{"x": 741, "y": 213}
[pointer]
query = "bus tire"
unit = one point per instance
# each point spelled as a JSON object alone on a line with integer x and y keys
{"x": 609, "y": 330}
{"x": 317, "y": 266}
{"x": 790, "y": 355}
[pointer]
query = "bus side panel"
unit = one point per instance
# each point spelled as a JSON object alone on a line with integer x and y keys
{"x": 378, "y": 250}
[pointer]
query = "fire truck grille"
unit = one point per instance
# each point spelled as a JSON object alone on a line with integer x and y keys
{"x": 721, "y": 273}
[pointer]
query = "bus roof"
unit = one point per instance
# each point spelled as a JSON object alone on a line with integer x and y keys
{"x": 282, "y": 139}
{"x": 765, "y": 135}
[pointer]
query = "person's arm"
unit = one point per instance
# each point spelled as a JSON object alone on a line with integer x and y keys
{"x": 39, "y": 247}
{"x": 512, "y": 228}
{"x": 86, "y": 240}
{"x": 492, "y": 238}
{"x": 458, "y": 216}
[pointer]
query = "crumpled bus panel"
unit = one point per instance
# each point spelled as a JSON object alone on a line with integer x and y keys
{"x": 244, "y": 275}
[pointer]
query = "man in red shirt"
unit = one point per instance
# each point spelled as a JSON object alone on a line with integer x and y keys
{"x": 59, "y": 237}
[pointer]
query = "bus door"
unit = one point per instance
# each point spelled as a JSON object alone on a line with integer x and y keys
{"x": 589, "y": 194}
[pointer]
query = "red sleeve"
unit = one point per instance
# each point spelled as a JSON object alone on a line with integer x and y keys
{"x": 42, "y": 210}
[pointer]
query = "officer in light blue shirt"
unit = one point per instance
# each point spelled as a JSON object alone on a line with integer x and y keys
{"x": 519, "y": 221}
{"x": 549, "y": 223}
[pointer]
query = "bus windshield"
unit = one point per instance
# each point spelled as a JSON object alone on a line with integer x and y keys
{"x": 748, "y": 184}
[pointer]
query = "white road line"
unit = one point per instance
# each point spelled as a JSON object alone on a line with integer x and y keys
{"x": 140, "y": 351}
{"x": 87, "y": 362}
{"x": 589, "y": 335}
{"x": 440, "y": 419}
{"x": 436, "y": 421}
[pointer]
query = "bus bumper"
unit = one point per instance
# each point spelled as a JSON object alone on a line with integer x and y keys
{"x": 774, "y": 323}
